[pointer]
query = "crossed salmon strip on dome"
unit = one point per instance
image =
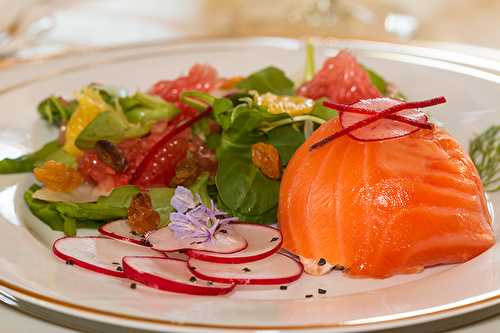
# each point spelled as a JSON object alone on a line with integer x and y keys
{"x": 379, "y": 119}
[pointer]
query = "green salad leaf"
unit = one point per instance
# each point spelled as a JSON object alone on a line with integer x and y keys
{"x": 242, "y": 187}
{"x": 66, "y": 216}
{"x": 321, "y": 111}
{"x": 60, "y": 156}
{"x": 48, "y": 213}
{"x": 56, "y": 111}
{"x": 27, "y": 162}
{"x": 110, "y": 126}
{"x": 160, "y": 198}
{"x": 269, "y": 79}
{"x": 145, "y": 108}
{"x": 243, "y": 190}
{"x": 287, "y": 140}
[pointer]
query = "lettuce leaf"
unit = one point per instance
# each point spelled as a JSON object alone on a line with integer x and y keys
{"x": 269, "y": 79}
{"x": 27, "y": 162}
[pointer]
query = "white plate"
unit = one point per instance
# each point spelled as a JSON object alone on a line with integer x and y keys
{"x": 32, "y": 277}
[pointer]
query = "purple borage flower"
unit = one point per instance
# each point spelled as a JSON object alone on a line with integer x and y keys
{"x": 193, "y": 219}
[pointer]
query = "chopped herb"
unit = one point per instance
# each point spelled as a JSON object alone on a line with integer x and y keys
{"x": 322, "y": 262}
{"x": 338, "y": 268}
{"x": 133, "y": 285}
{"x": 283, "y": 287}
{"x": 246, "y": 269}
{"x": 134, "y": 233}
{"x": 115, "y": 263}
{"x": 223, "y": 231}
{"x": 119, "y": 269}
{"x": 274, "y": 239}
{"x": 309, "y": 296}
{"x": 69, "y": 262}
{"x": 182, "y": 251}
{"x": 321, "y": 291}
{"x": 210, "y": 283}
{"x": 192, "y": 279}
{"x": 196, "y": 243}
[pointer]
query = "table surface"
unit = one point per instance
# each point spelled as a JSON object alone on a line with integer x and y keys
{"x": 439, "y": 21}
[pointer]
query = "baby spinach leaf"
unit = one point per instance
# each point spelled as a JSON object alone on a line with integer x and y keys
{"x": 56, "y": 111}
{"x": 286, "y": 139}
{"x": 242, "y": 187}
{"x": 269, "y": 79}
{"x": 26, "y": 163}
{"x": 110, "y": 126}
{"x": 222, "y": 110}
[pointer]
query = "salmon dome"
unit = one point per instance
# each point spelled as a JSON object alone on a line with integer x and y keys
{"x": 381, "y": 208}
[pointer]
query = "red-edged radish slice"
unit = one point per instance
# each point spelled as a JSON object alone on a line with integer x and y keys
{"x": 384, "y": 128}
{"x": 227, "y": 241}
{"x": 121, "y": 230}
{"x": 181, "y": 255}
{"x": 100, "y": 254}
{"x": 262, "y": 241}
{"x": 275, "y": 269}
{"x": 170, "y": 275}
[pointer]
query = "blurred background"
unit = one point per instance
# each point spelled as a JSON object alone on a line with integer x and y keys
{"x": 38, "y": 28}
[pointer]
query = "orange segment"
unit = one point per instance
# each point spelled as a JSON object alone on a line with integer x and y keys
{"x": 90, "y": 105}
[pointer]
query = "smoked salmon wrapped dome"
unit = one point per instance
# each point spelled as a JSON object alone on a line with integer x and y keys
{"x": 380, "y": 208}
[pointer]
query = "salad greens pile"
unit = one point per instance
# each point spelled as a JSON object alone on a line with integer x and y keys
{"x": 238, "y": 187}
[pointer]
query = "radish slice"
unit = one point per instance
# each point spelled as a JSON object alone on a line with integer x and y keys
{"x": 181, "y": 255}
{"x": 165, "y": 240}
{"x": 262, "y": 241}
{"x": 276, "y": 269}
{"x": 121, "y": 230}
{"x": 100, "y": 254}
{"x": 170, "y": 275}
{"x": 384, "y": 128}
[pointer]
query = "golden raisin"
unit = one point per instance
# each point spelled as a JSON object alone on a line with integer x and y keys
{"x": 266, "y": 157}
{"x": 141, "y": 215}
{"x": 58, "y": 177}
{"x": 231, "y": 82}
{"x": 186, "y": 173}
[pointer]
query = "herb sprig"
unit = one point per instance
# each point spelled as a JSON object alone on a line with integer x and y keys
{"x": 484, "y": 150}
